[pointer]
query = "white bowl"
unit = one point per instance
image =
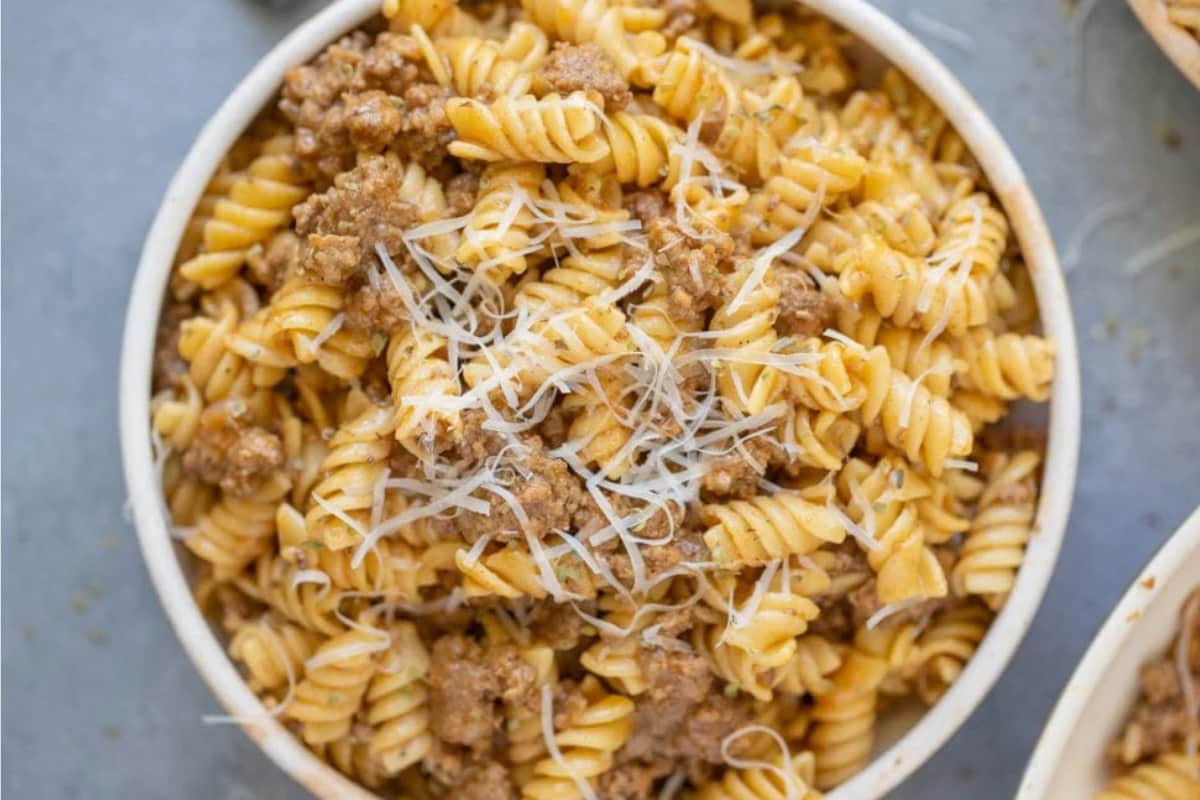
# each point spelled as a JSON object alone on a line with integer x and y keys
{"x": 1179, "y": 45}
{"x": 1069, "y": 759}
{"x": 904, "y": 744}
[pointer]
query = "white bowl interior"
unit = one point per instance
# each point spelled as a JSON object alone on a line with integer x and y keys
{"x": 1069, "y": 759}
{"x": 907, "y": 738}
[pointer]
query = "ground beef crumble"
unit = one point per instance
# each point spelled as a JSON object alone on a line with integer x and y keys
{"x": 583, "y": 67}
{"x": 1160, "y": 721}
{"x": 548, "y": 491}
{"x": 489, "y": 781}
{"x": 804, "y": 310}
{"x": 364, "y": 96}
{"x": 343, "y": 224}
{"x": 678, "y": 718}
{"x": 466, "y": 681}
{"x": 461, "y": 192}
{"x": 646, "y": 205}
{"x": 734, "y": 475}
{"x": 231, "y": 453}
{"x": 270, "y": 265}
{"x": 693, "y": 268}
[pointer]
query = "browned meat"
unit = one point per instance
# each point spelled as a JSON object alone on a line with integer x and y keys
{"x": 448, "y": 763}
{"x": 466, "y": 681}
{"x": 678, "y": 682}
{"x": 1159, "y": 682}
{"x": 708, "y": 725}
{"x": 425, "y": 130}
{"x": 461, "y": 191}
{"x": 231, "y": 453}
{"x": 692, "y": 267}
{"x": 646, "y": 205}
{"x": 462, "y": 694}
{"x": 270, "y": 266}
{"x": 733, "y": 475}
{"x": 389, "y": 65}
{"x": 349, "y": 99}
{"x": 488, "y": 781}
{"x": 169, "y": 366}
{"x": 634, "y": 780}
{"x": 556, "y": 624}
{"x": 583, "y": 67}
{"x": 546, "y": 489}
{"x": 345, "y": 223}
{"x": 804, "y": 310}
{"x": 376, "y": 308}
{"x": 372, "y": 120}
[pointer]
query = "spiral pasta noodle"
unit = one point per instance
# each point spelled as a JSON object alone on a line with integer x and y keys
{"x": 357, "y": 459}
{"x": 587, "y": 745}
{"x": 905, "y": 566}
{"x": 304, "y": 311}
{"x": 994, "y": 545}
{"x": 478, "y": 64}
{"x": 768, "y": 527}
{"x": 238, "y": 529}
{"x": 1007, "y": 365}
{"x": 258, "y": 204}
{"x": 332, "y": 692}
{"x": 844, "y": 720}
{"x": 748, "y": 332}
{"x": 422, "y": 382}
{"x": 396, "y": 703}
{"x": 523, "y": 726}
{"x": 550, "y": 129}
{"x": 790, "y": 780}
{"x": 275, "y": 582}
{"x": 946, "y": 646}
{"x": 808, "y": 175}
{"x": 273, "y": 652}
{"x": 904, "y": 291}
{"x": 1171, "y": 776}
{"x": 494, "y": 234}
{"x": 690, "y": 85}
{"x": 440, "y": 17}
{"x": 810, "y": 669}
{"x": 599, "y": 426}
{"x": 598, "y": 21}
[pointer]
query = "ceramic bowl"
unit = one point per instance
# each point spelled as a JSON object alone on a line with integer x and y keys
{"x": 905, "y": 741}
{"x": 1069, "y": 759}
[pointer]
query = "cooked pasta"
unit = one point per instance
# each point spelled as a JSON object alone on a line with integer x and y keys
{"x": 249, "y": 208}
{"x": 1155, "y": 753}
{"x": 1185, "y": 14}
{"x": 585, "y": 398}
{"x": 550, "y": 129}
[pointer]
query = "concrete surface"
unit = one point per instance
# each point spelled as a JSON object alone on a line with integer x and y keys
{"x": 101, "y": 100}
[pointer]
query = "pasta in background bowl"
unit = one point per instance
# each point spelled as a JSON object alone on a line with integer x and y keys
{"x": 1175, "y": 27}
{"x": 261, "y": 534}
{"x": 1090, "y": 723}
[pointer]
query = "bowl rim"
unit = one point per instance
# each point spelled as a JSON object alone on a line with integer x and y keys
{"x": 1179, "y": 553}
{"x": 868, "y": 24}
{"x": 1180, "y": 47}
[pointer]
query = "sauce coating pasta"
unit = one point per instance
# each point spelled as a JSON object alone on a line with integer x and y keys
{"x": 598, "y": 399}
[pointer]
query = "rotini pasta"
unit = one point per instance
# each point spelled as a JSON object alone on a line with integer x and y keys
{"x": 550, "y": 129}
{"x": 606, "y": 424}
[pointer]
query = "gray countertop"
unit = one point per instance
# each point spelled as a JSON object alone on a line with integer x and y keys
{"x": 101, "y": 101}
